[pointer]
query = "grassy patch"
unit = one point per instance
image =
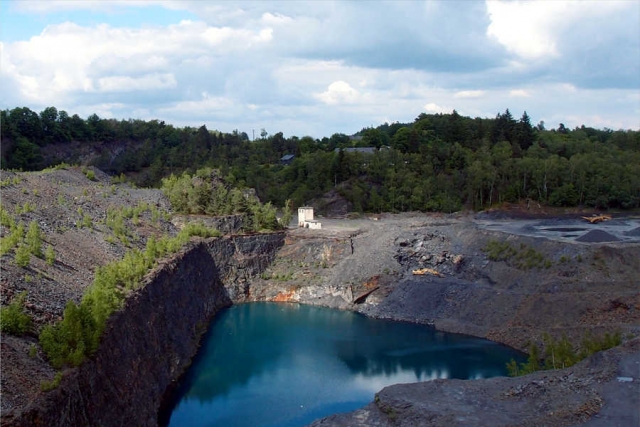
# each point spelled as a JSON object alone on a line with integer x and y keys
{"x": 54, "y": 383}
{"x": 10, "y": 181}
{"x": 523, "y": 257}
{"x": 26, "y": 208}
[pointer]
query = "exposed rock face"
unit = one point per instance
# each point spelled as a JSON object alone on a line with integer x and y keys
{"x": 150, "y": 343}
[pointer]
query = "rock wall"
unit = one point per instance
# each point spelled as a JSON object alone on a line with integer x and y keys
{"x": 149, "y": 344}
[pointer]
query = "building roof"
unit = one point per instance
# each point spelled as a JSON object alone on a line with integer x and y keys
{"x": 287, "y": 157}
{"x": 369, "y": 150}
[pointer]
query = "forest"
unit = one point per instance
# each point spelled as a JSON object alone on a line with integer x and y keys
{"x": 438, "y": 162}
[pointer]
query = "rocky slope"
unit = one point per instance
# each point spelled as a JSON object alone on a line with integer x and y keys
{"x": 600, "y": 391}
{"x": 567, "y": 288}
{"x": 528, "y": 285}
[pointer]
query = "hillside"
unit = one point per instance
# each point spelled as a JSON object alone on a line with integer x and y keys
{"x": 77, "y": 218}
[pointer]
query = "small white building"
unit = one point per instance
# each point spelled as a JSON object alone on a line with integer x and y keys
{"x": 305, "y": 213}
{"x": 305, "y": 218}
{"x": 313, "y": 224}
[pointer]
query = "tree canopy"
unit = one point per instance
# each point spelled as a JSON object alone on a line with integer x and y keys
{"x": 440, "y": 162}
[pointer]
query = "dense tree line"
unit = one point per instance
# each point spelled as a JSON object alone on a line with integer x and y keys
{"x": 440, "y": 162}
{"x": 206, "y": 193}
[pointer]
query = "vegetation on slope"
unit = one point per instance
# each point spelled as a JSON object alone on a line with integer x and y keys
{"x": 206, "y": 193}
{"x": 438, "y": 162}
{"x": 13, "y": 319}
{"x": 77, "y": 336}
{"x": 559, "y": 354}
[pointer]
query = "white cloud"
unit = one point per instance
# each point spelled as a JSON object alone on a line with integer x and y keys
{"x": 339, "y": 92}
{"x": 126, "y": 83}
{"x": 46, "y": 6}
{"x": 275, "y": 19}
{"x": 67, "y": 58}
{"x": 522, "y": 93}
{"x": 206, "y": 105}
{"x": 525, "y": 28}
{"x": 319, "y": 68}
{"x": 535, "y": 30}
{"x": 469, "y": 94}
{"x": 435, "y": 108}
{"x": 105, "y": 110}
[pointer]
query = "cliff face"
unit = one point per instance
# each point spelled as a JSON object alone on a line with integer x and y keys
{"x": 150, "y": 343}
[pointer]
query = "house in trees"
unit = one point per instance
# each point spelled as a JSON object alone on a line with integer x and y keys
{"x": 365, "y": 150}
{"x": 287, "y": 159}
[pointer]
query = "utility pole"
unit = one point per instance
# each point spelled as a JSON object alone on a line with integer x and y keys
{"x": 254, "y": 134}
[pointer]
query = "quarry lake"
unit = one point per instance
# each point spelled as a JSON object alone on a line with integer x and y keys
{"x": 270, "y": 364}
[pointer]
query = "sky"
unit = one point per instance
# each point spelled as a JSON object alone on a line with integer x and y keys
{"x": 323, "y": 67}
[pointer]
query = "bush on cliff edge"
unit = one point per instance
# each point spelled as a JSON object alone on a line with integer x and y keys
{"x": 77, "y": 335}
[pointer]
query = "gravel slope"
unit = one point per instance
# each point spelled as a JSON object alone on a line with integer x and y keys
{"x": 362, "y": 264}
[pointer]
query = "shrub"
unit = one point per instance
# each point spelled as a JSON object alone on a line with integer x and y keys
{"x": 199, "y": 229}
{"x": 499, "y": 251}
{"x": 23, "y": 255}
{"x": 10, "y": 181}
{"x": 34, "y": 239}
{"x": 71, "y": 340}
{"x": 6, "y": 219}
{"x": 50, "y": 385}
{"x": 25, "y": 208}
{"x": 50, "y": 255}
{"x": 205, "y": 193}
{"x": 591, "y": 344}
{"x": 287, "y": 213}
{"x": 12, "y": 240}
{"x": 120, "y": 179}
{"x": 13, "y": 319}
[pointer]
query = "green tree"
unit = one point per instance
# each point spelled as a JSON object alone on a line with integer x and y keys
{"x": 13, "y": 318}
{"x": 72, "y": 339}
{"x": 50, "y": 125}
{"x": 287, "y": 213}
{"x": 50, "y": 255}
{"x": 22, "y": 255}
{"x": 34, "y": 239}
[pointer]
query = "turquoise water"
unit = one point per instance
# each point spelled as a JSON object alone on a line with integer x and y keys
{"x": 269, "y": 364}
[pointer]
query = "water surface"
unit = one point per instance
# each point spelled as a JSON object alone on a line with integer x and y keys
{"x": 269, "y": 364}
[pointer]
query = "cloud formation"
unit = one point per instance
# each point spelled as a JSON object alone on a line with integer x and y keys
{"x": 323, "y": 67}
